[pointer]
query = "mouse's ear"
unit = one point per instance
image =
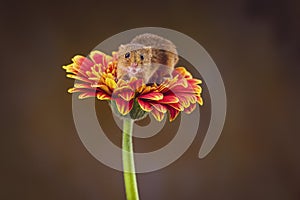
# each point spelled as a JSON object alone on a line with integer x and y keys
{"x": 120, "y": 50}
{"x": 122, "y": 46}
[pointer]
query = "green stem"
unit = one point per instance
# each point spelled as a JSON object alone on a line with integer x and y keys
{"x": 128, "y": 161}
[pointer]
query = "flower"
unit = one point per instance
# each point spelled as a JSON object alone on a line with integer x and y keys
{"x": 97, "y": 77}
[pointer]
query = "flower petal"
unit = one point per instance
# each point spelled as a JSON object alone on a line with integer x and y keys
{"x": 192, "y": 99}
{"x": 69, "y": 68}
{"x": 137, "y": 85}
{"x": 182, "y": 72}
{"x": 173, "y": 113}
{"x": 80, "y": 78}
{"x": 73, "y": 90}
{"x": 190, "y": 109}
{"x": 124, "y": 107}
{"x": 102, "y": 87}
{"x": 98, "y": 72}
{"x": 86, "y": 95}
{"x": 176, "y": 106}
{"x": 159, "y": 107}
{"x": 83, "y": 62}
{"x": 197, "y": 89}
{"x": 155, "y": 96}
{"x": 157, "y": 115}
{"x": 194, "y": 81}
{"x": 110, "y": 83}
{"x": 78, "y": 59}
{"x": 121, "y": 83}
{"x": 115, "y": 55}
{"x": 168, "y": 99}
{"x": 199, "y": 100}
{"x": 97, "y": 57}
{"x": 148, "y": 89}
{"x": 103, "y": 96}
{"x": 127, "y": 95}
{"x": 81, "y": 85}
{"x": 184, "y": 101}
{"x": 144, "y": 105}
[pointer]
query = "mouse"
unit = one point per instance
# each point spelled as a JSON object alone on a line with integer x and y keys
{"x": 149, "y": 57}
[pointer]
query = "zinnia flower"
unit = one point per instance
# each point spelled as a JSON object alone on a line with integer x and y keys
{"x": 97, "y": 77}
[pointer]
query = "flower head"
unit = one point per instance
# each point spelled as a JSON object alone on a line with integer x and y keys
{"x": 97, "y": 77}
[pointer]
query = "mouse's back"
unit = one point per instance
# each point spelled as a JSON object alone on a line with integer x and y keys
{"x": 155, "y": 41}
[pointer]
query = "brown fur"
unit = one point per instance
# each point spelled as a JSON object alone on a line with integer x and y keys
{"x": 160, "y": 57}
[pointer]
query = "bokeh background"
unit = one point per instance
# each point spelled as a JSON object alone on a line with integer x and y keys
{"x": 255, "y": 44}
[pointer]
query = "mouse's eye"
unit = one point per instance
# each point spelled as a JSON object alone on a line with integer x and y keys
{"x": 142, "y": 57}
{"x": 127, "y": 55}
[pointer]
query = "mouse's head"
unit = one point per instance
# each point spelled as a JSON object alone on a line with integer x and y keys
{"x": 133, "y": 58}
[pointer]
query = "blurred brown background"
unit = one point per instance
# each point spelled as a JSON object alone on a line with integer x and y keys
{"x": 255, "y": 44}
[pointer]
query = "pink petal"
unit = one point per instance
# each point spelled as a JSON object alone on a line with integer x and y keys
{"x": 190, "y": 109}
{"x": 157, "y": 115}
{"x": 184, "y": 101}
{"x": 159, "y": 107}
{"x": 97, "y": 57}
{"x": 83, "y": 62}
{"x": 194, "y": 81}
{"x": 127, "y": 95}
{"x": 136, "y": 85}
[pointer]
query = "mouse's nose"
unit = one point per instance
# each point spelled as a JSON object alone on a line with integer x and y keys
{"x": 134, "y": 65}
{"x": 134, "y": 71}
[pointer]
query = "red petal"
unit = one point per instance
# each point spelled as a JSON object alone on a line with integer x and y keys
{"x": 168, "y": 99}
{"x": 124, "y": 107}
{"x": 176, "y": 106}
{"x": 155, "y": 96}
{"x": 163, "y": 88}
{"x": 103, "y": 96}
{"x": 173, "y": 113}
{"x": 145, "y": 105}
